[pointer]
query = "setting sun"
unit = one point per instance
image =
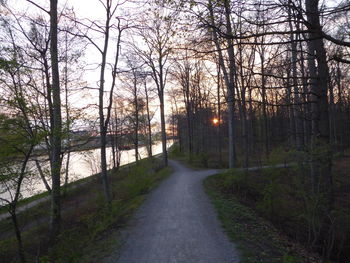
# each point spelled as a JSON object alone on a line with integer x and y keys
{"x": 215, "y": 121}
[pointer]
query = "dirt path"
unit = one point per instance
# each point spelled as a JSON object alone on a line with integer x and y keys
{"x": 177, "y": 224}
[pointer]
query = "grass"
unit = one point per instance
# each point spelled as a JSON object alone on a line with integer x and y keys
{"x": 197, "y": 160}
{"x": 70, "y": 186}
{"x": 25, "y": 201}
{"x": 89, "y": 227}
{"x": 280, "y": 198}
{"x": 210, "y": 159}
{"x": 257, "y": 239}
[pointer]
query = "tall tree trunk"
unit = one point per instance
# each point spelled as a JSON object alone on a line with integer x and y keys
{"x": 189, "y": 108}
{"x": 306, "y": 106}
{"x": 113, "y": 145}
{"x": 162, "y": 122}
{"x": 264, "y": 103}
{"x": 149, "y": 127}
{"x": 13, "y": 206}
{"x": 296, "y": 101}
{"x": 164, "y": 140}
{"x": 251, "y": 122}
{"x": 291, "y": 137}
{"x": 56, "y": 130}
{"x": 136, "y": 130}
{"x": 161, "y": 87}
{"x": 103, "y": 128}
{"x": 338, "y": 109}
{"x": 332, "y": 122}
{"x": 243, "y": 113}
{"x": 66, "y": 178}
{"x": 320, "y": 119}
{"x": 314, "y": 109}
{"x": 18, "y": 235}
{"x": 231, "y": 88}
{"x": 219, "y": 114}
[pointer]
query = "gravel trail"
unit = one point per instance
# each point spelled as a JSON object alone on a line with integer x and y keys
{"x": 177, "y": 224}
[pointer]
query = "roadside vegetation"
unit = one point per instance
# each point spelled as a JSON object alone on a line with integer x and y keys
{"x": 87, "y": 224}
{"x": 256, "y": 238}
{"x": 211, "y": 159}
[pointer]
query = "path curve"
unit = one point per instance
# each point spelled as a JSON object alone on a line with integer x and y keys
{"x": 177, "y": 224}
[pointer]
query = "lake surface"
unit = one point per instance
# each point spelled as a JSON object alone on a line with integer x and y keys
{"x": 82, "y": 164}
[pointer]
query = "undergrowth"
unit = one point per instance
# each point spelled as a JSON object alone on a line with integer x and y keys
{"x": 87, "y": 222}
{"x": 258, "y": 240}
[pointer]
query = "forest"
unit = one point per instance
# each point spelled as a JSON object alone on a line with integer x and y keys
{"x": 235, "y": 84}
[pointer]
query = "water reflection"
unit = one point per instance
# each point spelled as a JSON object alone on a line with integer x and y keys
{"x": 81, "y": 165}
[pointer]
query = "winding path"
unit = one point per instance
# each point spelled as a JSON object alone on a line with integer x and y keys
{"x": 177, "y": 224}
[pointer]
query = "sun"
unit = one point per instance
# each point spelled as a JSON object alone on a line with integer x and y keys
{"x": 215, "y": 121}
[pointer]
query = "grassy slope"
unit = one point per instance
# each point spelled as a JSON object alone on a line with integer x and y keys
{"x": 86, "y": 223}
{"x": 257, "y": 239}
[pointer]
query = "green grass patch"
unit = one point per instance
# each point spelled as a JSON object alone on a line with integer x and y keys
{"x": 200, "y": 160}
{"x": 25, "y": 201}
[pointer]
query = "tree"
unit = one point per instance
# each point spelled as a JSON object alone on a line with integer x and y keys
{"x": 183, "y": 74}
{"x": 228, "y": 70}
{"x": 56, "y": 129}
{"x": 50, "y": 119}
{"x": 157, "y": 33}
{"x": 133, "y": 82}
{"x": 18, "y": 135}
{"x": 150, "y": 114}
{"x": 38, "y": 45}
{"x": 112, "y": 23}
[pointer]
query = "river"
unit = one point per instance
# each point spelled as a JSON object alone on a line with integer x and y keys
{"x": 82, "y": 164}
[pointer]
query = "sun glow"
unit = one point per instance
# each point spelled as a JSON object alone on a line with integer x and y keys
{"x": 215, "y": 121}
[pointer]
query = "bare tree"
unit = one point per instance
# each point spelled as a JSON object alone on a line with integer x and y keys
{"x": 112, "y": 24}
{"x": 157, "y": 33}
{"x": 133, "y": 82}
{"x": 228, "y": 70}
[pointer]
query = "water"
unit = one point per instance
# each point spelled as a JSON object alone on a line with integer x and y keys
{"x": 81, "y": 165}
